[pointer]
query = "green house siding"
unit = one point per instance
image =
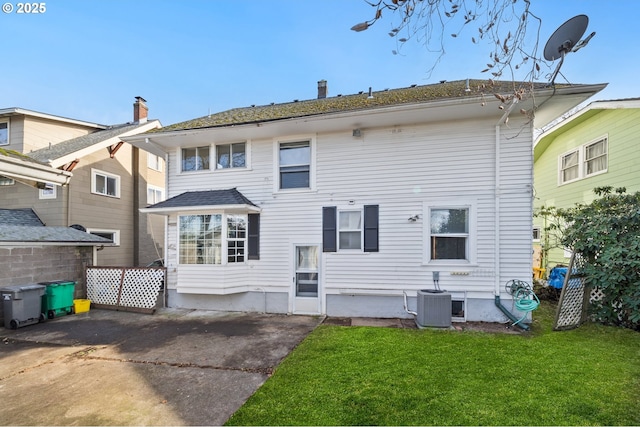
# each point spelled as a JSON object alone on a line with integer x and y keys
{"x": 622, "y": 129}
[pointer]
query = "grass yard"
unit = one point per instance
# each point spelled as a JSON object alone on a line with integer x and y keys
{"x": 384, "y": 376}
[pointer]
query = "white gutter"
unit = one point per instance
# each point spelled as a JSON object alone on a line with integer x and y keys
{"x": 22, "y": 170}
{"x": 169, "y": 210}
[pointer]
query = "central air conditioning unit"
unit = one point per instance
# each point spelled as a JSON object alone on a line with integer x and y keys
{"x": 434, "y": 309}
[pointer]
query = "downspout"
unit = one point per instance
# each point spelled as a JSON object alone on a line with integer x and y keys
{"x": 498, "y": 304}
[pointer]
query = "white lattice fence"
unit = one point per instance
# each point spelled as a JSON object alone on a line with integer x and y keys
{"x": 124, "y": 287}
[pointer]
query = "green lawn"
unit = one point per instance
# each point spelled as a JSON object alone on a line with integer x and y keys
{"x": 383, "y": 376}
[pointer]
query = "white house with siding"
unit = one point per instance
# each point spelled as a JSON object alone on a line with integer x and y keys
{"x": 343, "y": 205}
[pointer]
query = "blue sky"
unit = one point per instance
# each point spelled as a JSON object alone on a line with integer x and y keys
{"x": 89, "y": 59}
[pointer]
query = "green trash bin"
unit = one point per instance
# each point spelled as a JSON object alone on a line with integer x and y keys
{"x": 58, "y": 298}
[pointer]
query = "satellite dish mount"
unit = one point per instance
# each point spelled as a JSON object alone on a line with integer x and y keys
{"x": 566, "y": 39}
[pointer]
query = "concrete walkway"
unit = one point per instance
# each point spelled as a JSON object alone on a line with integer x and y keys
{"x": 176, "y": 367}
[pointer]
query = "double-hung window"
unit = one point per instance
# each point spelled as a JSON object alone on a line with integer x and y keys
{"x": 350, "y": 230}
{"x": 587, "y": 160}
{"x": 154, "y": 195}
{"x": 154, "y": 162}
{"x": 449, "y": 233}
{"x": 104, "y": 183}
{"x": 230, "y": 156}
{"x": 4, "y": 133}
{"x": 195, "y": 159}
{"x": 295, "y": 164}
{"x": 236, "y": 238}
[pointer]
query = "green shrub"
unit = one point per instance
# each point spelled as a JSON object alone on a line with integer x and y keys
{"x": 606, "y": 234}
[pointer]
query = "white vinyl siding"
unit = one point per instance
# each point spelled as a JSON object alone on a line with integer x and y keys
{"x": 404, "y": 171}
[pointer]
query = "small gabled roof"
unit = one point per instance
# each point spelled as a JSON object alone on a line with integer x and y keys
{"x": 77, "y": 145}
{"x": 22, "y": 235}
{"x": 24, "y": 217}
{"x": 209, "y": 199}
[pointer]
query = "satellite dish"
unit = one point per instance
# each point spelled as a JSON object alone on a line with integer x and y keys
{"x": 566, "y": 39}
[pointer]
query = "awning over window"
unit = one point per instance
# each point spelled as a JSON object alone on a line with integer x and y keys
{"x": 219, "y": 200}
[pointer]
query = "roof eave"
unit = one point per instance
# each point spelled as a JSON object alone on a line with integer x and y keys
{"x": 208, "y": 208}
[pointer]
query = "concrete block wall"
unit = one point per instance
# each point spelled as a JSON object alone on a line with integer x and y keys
{"x": 24, "y": 265}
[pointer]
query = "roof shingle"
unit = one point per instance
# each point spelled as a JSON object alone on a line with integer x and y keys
{"x": 204, "y": 198}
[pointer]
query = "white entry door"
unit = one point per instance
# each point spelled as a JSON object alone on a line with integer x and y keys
{"x": 306, "y": 283}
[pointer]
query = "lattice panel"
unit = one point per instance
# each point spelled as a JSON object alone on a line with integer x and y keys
{"x": 136, "y": 288}
{"x": 574, "y": 298}
{"x": 103, "y": 285}
{"x": 140, "y": 287}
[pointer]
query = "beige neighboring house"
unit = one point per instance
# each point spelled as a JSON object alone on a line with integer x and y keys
{"x": 77, "y": 173}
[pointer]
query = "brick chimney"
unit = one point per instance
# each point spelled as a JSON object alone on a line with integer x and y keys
{"x": 322, "y": 89}
{"x": 140, "y": 110}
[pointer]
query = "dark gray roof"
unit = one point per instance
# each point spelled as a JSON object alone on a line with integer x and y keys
{"x": 24, "y": 217}
{"x": 204, "y": 198}
{"x": 70, "y": 146}
{"x": 356, "y": 102}
{"x": 61, "y": 235}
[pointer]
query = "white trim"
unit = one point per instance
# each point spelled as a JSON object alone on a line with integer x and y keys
{"x": 180, "y": 171}
{"x": 471, "y": 243}
{"x": 24, "y": 112}
{"x": 159, "y": 162}
{"x": 115, "y": 233}
{"x": 7, "y": 121}
{"x": 96, "y": 172}
{"x": 247, "y": 157}
{"x": 582, "y": 163}
{"x": 51, "y": 194}
{"x": 360, "y": 210}
{"x": 156, "y": 189}
{"x": 312, "y": 162}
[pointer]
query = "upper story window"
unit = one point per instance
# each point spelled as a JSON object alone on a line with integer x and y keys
{"x": 584, "y": 161}
{"x": 4, "y": 133}
{"x": 48, "y": 192}
{"x": 154, "y": 162}
{"x": 6, "y": 181}
{"x": 154, "y": 195}
{"x": 449, "y": 233}
{"x": 104, "y": 183}
{"x": 231, "y": 155}
{"x": 195, "y": 159}
{"x": 537, "y": 233}
{"x": 295, "y": 164}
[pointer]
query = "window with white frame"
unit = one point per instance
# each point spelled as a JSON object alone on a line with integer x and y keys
{"x": 230, "y": 156}
{"x": 213, "y": 239}
{"x": 154, "y": 162}
{"x": 587, "y": 160}
{"x": 6, "y": 181}
{"x": 48, "y": 192}
{"x": 350, "y": 229}
{"x": 154, "y": 194}
{"x": 537, "y": 232}
{"x": 113, "y": 235}
{"x": 4, "y": 133}
{"x": 195, "y": 159}
{"x": 294, "y": 160}
{"x": 104, "y": 183}
{"x": 449, "y": 233}
{"x": 236, "y": 238}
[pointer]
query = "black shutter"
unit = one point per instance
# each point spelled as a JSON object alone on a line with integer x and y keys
{"x": 254, "y": 236}
{"x": 329, "y": 243}
{"x": 371, "y": 228}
